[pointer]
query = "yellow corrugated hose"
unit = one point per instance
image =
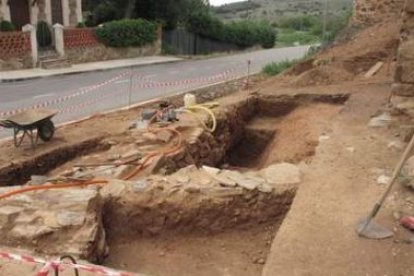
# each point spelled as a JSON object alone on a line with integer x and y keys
{"x": 207, "y": 108}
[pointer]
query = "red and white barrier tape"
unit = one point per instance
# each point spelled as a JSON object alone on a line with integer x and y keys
{"x": 154, "y": 84}
{"x": 102, "y": 97}
{"x": 83, "y": 91}
{"x": 222, "y": 76}
{"x": 52, "y": 265}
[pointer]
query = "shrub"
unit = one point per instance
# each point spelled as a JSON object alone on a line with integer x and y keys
{"x": 276, "y": 68}
{"x": 267, "y": 35}
{"x": 300, "y": 23}
{"x": 7, "y": 26}
{"x": 127, "y": 32}
{"x": 43, "y": 34}
{"x": 81, "y": 25}
{"x": 304, "y": 29}
{"x": 290, "y": 37}
{"x": 242, "y": 33}
{"x": 206, "y": 25}
{"x": 168, "y": 49}
{"x": 103, "y": 12}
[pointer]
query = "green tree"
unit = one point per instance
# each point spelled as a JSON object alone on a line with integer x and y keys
{"x": 169, "y": 12}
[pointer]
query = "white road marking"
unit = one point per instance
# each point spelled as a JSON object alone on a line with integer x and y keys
{"x": 121, "y": 81}
{"x": 44, "y": 95}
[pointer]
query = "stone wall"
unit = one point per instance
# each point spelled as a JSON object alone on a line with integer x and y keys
{"x": 81, "y": 45}
{"x": 403, "y": 87}
{"x": 55, "y": 222}
{"x": 206, "y": 200}
{"x": 15, "y": 50}
{"x": 372, "y": 11}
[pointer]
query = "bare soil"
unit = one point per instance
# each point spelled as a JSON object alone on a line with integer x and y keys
{"x": 340, "y": 172}
{"x": 241, "y": 252}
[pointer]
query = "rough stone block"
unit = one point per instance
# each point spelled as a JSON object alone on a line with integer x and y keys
{"x": 407, "y": 28}
{"x": 55, "y": 222}
{"x": 403, "y": 105}
{"x": 283, "y": 173}
{"x": 409, "y": 6}
{"x": 8, "y": 214}
{"x": 402, "y": 89}
{"x": 398, "y": 73}
{"x": 406, "y": 50}
{"x": 407, "y": 71}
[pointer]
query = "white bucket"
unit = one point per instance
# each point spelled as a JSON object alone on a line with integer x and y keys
{"x": 189, "y": 100}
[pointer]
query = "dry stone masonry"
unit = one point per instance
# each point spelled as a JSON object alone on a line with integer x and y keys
{"x": 54, "y": 222}
{"x": 403, "y": 88}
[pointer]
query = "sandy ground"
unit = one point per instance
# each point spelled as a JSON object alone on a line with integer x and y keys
{"x": 236, "y": 252}
{"x": 339, "y": 187}
{"x": 318, "y": 237}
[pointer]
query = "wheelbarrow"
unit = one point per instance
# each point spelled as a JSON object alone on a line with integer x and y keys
{"x": 28, "y": 122}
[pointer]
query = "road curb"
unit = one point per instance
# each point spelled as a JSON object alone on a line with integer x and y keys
{"x": 13, "y": 80}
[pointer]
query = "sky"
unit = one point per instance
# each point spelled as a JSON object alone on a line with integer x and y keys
{"x": 221, "y": 2}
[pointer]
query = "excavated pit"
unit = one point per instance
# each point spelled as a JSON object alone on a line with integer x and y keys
{"x": 180, "y": 217}
{"x": 286, "y": 129}
{"x": 215, "y": 237}
{"x": 249, "y": 150}
{"x": 18, "y": 173}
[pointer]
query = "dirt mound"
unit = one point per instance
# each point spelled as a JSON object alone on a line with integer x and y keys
{"x": 381, "y": 37}
{"x": 349, "y": 57}
{"x": 322, "y": 76}
{"x": 301, "y": 67}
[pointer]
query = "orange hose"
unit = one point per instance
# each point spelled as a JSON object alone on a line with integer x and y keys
{"x": 51, "y": 186}
{"x": 146, "y": 159}
{"x": 168, "y": 150}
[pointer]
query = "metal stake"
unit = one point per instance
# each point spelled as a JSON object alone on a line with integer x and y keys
{"x": 130, "y": 90}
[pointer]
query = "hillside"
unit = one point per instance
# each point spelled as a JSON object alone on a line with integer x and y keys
{"x": 275, "y": 10}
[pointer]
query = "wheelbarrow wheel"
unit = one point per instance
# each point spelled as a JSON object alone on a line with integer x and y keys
{"x": 46, "y": 130}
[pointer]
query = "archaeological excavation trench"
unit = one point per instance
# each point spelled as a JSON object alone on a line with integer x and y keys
{"x": 211, "y": 208}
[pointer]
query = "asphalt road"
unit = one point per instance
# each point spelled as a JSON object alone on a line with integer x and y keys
{"x": 80, "y": 95}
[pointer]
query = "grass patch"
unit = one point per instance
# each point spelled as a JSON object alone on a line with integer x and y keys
{"x": 275, "y": 68}
{"x": 288, "y": 37}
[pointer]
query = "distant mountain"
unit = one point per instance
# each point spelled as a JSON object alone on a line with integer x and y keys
{"x": 275, "y": 10}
